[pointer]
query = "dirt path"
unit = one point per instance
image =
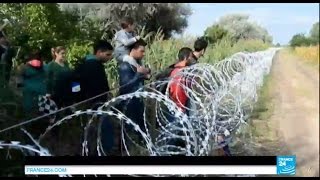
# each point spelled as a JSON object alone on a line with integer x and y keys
{"x": 294, "y": 91}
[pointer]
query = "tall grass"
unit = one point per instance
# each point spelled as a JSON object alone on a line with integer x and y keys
{"x": 309, "y": 54}
{"x": 161, "y": 53}
{"x": 226, "y": 48}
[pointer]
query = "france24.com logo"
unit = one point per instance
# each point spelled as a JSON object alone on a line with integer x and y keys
{"x": 286, "y": 165}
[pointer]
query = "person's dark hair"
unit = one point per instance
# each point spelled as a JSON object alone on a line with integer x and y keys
{"x": 102, "y": 45}
{"x": 137, "y": 44}
{"x": 200, "y": 44}
{"x": 35, "y": 54}
{"x": 184, "y": 53}
{"x": 126, "y": 21}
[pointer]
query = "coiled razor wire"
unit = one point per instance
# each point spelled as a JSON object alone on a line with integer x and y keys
{"x": 221, "y": 98}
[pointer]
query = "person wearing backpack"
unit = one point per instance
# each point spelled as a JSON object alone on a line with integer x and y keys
{"x": 91, "y": 75}
{"x": 176, "y": 92}
{"x": 162, "y": 78}
{"x": 91, "y": 72}
{"x": 34, "y": 76}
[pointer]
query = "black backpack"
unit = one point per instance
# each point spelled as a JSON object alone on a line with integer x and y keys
{"x": 163, "y": 76}
{"x": 76, "y": 79}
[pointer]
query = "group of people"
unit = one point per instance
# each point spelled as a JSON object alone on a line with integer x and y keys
{"x": 88, "y": 80}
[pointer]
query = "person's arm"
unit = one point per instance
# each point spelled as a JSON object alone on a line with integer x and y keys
{"x": 128, "y": 78}
{"x": 145, "y": 71}
{"x": 123, "y": 38}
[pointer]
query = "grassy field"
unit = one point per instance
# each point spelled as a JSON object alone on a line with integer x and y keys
{"x": 309, "y": 54}
{"x": 264, "y": 106}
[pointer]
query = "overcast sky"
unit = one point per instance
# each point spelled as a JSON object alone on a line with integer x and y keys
{"x": 282, "y": 20}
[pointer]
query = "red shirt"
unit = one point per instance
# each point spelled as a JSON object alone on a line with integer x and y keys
{"x": 177, "y": 92}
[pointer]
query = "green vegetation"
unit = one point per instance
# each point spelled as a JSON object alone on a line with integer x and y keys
{"x": 306, "y": 40}
{"x": 263, "y": 108}
{"x": 237, "y": 27}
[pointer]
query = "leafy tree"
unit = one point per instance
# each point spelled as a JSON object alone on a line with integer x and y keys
{"x": 39, "y": 26}
{"x": 300, "y": 40}
{"x": 215, "y": 33}
{"x": 45, "y": 25}
{"x": 303, "y": 40}
{"x": 171, "y": 17}
{"x": 239, "y": 27}
{"x": 314, "y": 33}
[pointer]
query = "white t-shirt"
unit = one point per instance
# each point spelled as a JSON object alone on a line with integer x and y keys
{"x": 130, "y": 60}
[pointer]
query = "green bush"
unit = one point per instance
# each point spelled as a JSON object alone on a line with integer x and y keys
{"x": 226, "y": 47}
{"x": 300, "y": 40}
{"x": 252, "y": 45}
{"x": 76, "y": 51}
{"x": 215, "y": 33}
